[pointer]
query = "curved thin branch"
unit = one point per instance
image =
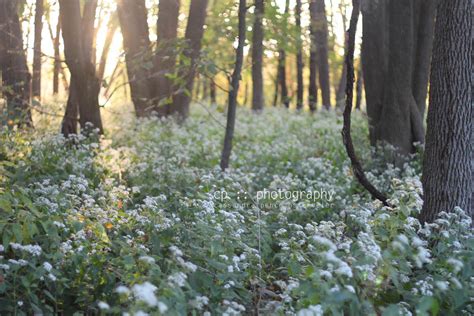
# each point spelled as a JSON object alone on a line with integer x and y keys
{"x": 346, "y": 130}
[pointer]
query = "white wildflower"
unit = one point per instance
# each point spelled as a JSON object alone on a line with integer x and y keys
{"x": 145, "y": 292}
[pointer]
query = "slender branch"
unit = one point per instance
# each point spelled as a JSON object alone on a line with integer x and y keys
{"x": 346, "y": 130}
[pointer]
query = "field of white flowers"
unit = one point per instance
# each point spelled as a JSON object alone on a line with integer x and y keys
{"x": 143, "y": 222}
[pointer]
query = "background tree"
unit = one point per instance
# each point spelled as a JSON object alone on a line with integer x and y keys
{"x": 448, "y": 160}
{"x": 189, "y": 60}
{"x": 257, "y": 57}
{"x": 299, "y": 58}
{"x": 313, "y": 87}
{"x": 282, "y": 61}
{"x": 37, "y": 54}
{"x": 16, "y": 78}
{"x": 136, "y": 44}
{"x": 235, "y": 81}
{"x": 85, "y": 86}
{"x": 389, "y": 68}
{"x": 165, "y": 56}
{"x": 321, "y": 37}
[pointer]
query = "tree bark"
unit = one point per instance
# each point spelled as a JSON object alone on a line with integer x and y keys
{"x": 359, "y": 84}
{"x": 374, "y": 60}
{"x": 282, "y": 78}
{"x": 447, "y": 165}
{"x": 313, "y": 86}
{"x": 212, "y": 89}
{"x": 257, "y": 57}
{"x": 232, "y": 106}
{"x": 321, "y": 36}
{"x": 299, "y": 58}
{"x": 400, "y": 121}
{"x": 426, "y": 14}
{"x": 277, "y": 87}
{"x": 15, "y": 73}
{"x": 193, "y": 36}
{"x": 57, "y": 58}
{"x": 36, "y": 79}
{"x": 394, "y": 57}
{"x": 78, "y": 59}
{"x": 340, "y": 94}
{"x": 282, "y": 65}
{"x": 165, "y": 57}
{"x": 136, "y": 42}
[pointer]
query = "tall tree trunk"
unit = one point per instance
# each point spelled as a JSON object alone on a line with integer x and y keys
{"x": 299, "y": 58}
{"x": 425, "y": 16}
{"x": 282, "y": 78}
{"x": 212, "y": 89}
{"x": 136, "y": 42}
{"x": 393, "y": 58}
{"x": 36, "y": 79}
{"x": 204, "y": 89}
{"x": 193, "y": 36}
{"x": 313, "y": 86}
{"x": 57, "y": 58}
{"x": 165, "y": 57}
{"x": 374, "y": 60}
{"x": 111, "y": 28}
{"x": 15, "y": 73}
{"x": 277, "y": 86}
{"x": 282, "y": 66}
{"x": 321, "y": 36}
{"x": 257, "y": 57}
{"x": 232, "y": 107}
{"x": 359, "y": 84}
{"x": 394, "y": 125}
{"x": 400, "y": 123}
{"x": 78, "y": 58}
{"x": 341, "y": 88}
{"x": 447, "y": 164}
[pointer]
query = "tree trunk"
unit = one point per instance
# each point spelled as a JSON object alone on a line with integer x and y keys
{"x": 359, "y": 84}
{"x": 36, "y": 79}
{"x": 374, "y": 60}
{"x": 299, "y": 58}
{"x": 341, "y": 88}
{"x": 400, "y": 123}
{"x": 277, "y": 86}
{"x": 313, "y": 86}
{"x": 282, "y": 66}
{"x": 282, "y": 78}
{"x": 232, "y": 107}
{"x": 257, "y": 57}
{"x": 57, "y": 59}
{"x": 321, "y": 36}
{"x": 165, "y": 57}
{"x": 447, "y": 168}
{"x": 15, "y": 74}
{"x": 193, "y": 36}
{"x": 70, "y": 119}
{"x": 212, "y": 89}
{"x": 393, "y": 58}
{"x": 78, "y": 59}
{"x": 425, "y": 16}
{"x": 136, "y": 43}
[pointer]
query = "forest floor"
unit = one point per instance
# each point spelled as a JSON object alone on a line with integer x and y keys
{"x": 143, "y": 221}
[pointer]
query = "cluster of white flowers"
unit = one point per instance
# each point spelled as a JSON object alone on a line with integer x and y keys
{"x": 34, "y": 250}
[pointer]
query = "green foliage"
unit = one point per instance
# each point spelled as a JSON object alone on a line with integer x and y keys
{"x": 145, "y": 222}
